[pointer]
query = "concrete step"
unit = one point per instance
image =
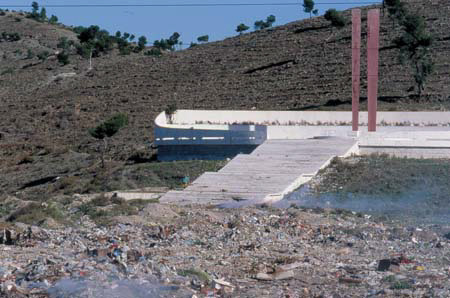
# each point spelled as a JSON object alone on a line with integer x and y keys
{"x": 187, "y": 197}
{"x": 270, "y": 169}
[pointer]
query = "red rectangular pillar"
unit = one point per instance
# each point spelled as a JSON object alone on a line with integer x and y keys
{"x": 373, "y": 37}
{"x": 356, "y": 66}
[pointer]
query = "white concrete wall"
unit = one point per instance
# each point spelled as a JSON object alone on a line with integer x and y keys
{"x": 192, "y": 127}
{"x": 308, "y": 117}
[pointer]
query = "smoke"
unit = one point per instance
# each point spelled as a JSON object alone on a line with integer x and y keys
{"x": 425, "y": 203}
{"x": 128, "y": 288}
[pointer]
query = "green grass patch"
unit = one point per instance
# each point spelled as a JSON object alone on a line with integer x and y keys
{"x": 160, "y": 174}
{"x": 196, "y": 272}
{"x": 381, "y": 174}
{"x": 36, "y": 213}
{"x": 102, "y": 208}
{"x": 401, "y": 285}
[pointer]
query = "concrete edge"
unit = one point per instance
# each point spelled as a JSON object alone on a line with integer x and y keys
{"x": 303, "y": 179}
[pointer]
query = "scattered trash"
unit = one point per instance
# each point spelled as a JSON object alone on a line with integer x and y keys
{"x": 276, "y": 275}
{"x": 350, "y": 280}
{"x": 208, "y": 252}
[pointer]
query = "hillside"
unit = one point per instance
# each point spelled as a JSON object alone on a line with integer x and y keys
{"x": 47, "y": 108}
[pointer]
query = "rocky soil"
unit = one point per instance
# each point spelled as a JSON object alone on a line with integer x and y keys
{"x": 197, "y": 251}
{"x": 47, "y": 108}
{"x": 57, "y": 244}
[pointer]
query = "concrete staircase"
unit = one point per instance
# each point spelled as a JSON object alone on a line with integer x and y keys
{"x": 270, "y": 171}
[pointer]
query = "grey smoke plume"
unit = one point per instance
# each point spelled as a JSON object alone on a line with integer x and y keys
{"x": 426, "y": 203}
{"x": 127, "y": 288}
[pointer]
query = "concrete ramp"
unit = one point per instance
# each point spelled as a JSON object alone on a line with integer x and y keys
{"x": 272, "y": 170}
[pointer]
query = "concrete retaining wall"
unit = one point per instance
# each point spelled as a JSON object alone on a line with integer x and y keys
{"x": 203, "y": 152}
{"x": 215, "y": 129}
{"x": 190, "y": 117}
{"x": 414, "y": 144}
{"x": 407, "y": 152}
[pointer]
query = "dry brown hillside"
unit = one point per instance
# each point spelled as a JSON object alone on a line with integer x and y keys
{"x": 300, "y": 65}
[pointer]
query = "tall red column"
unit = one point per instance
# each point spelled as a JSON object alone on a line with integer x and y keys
{"x": 356, "y": 66}
{"x": 373, "y": 38}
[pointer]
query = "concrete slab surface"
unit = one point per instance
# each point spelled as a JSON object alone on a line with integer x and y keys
{"x": 270, "y": 170}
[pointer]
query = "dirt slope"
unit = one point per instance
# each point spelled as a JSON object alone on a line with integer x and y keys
{"x": 301, "y": 65}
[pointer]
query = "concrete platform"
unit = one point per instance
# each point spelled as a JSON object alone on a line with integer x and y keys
{"x": 272, "y": 170}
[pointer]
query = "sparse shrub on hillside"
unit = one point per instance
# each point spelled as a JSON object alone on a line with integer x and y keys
{"x": 43, "y": 14}
{"x": 93, "y": 41}
{"x": 124, "y": 45}
{"x": 154, "y": 52}
{"x": 396, "y": 9}
{"x": 43, "y": 55}
{"x": 11, "y": 37}
{"x": 193, "y": 44}
{"x": 125, "y": 50}
{"x": 414, "y": 45}
{"x": 30, "y": 54}
{"x": 270, "y": 20}
{"x": 2, "y": 12}
{"x": 414, "y": 42}
{"x": 203, "y": 38}
{"x": 63, "y": 57}
{"x": 53, "y": 20}
{"x": 34, "y": 10}
{"x": 335, "y": 17}
{"x": 170, "y": 110}
{"x": 64, "y": 43}
{"x": 78, "y": 29}
{"x": 265, "y": 24}
{"x": 108, "y": 129}
{"x": 241, "y": 28}
{"x": 7, "y": 71}
{"x": 36, "y": 15}
{"x": 308, "y": 7}
{"x": 168, "y": 44}
{"x": 142, "y": 42}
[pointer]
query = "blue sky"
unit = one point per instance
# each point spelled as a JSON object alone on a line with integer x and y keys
{"x": 190, "y": 22}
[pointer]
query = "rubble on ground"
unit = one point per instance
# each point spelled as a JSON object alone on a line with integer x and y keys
{"x": 200, "y": 251}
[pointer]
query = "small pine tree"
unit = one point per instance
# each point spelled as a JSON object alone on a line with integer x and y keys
{"x": 63, "y": 43}
{"x": 397, "y": 10}
{"x": 203, "y": 38}
{"x": 63, "y": 57}
{"x": 30, "y": 54}
{"x": 265, "y": 24}
{"x": 414, "y": 45}
{"x": 170, "y": 110}
{"x": 308, "y": 7}
{"x": 53, "y": 20}
{"x": 259, "y": 25}
{"x": 270, "y": 20}
{"x": 154, "y": 52}
{"x": 43, "y": 15}
{"x": 241, "y": 28}
{"x": 142, "y": 42}
{"x": 43, "y": 55}
{"x": 108, "y": 129}
{"x": 336, "y": 19}
{"x": 34, "y": 10}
